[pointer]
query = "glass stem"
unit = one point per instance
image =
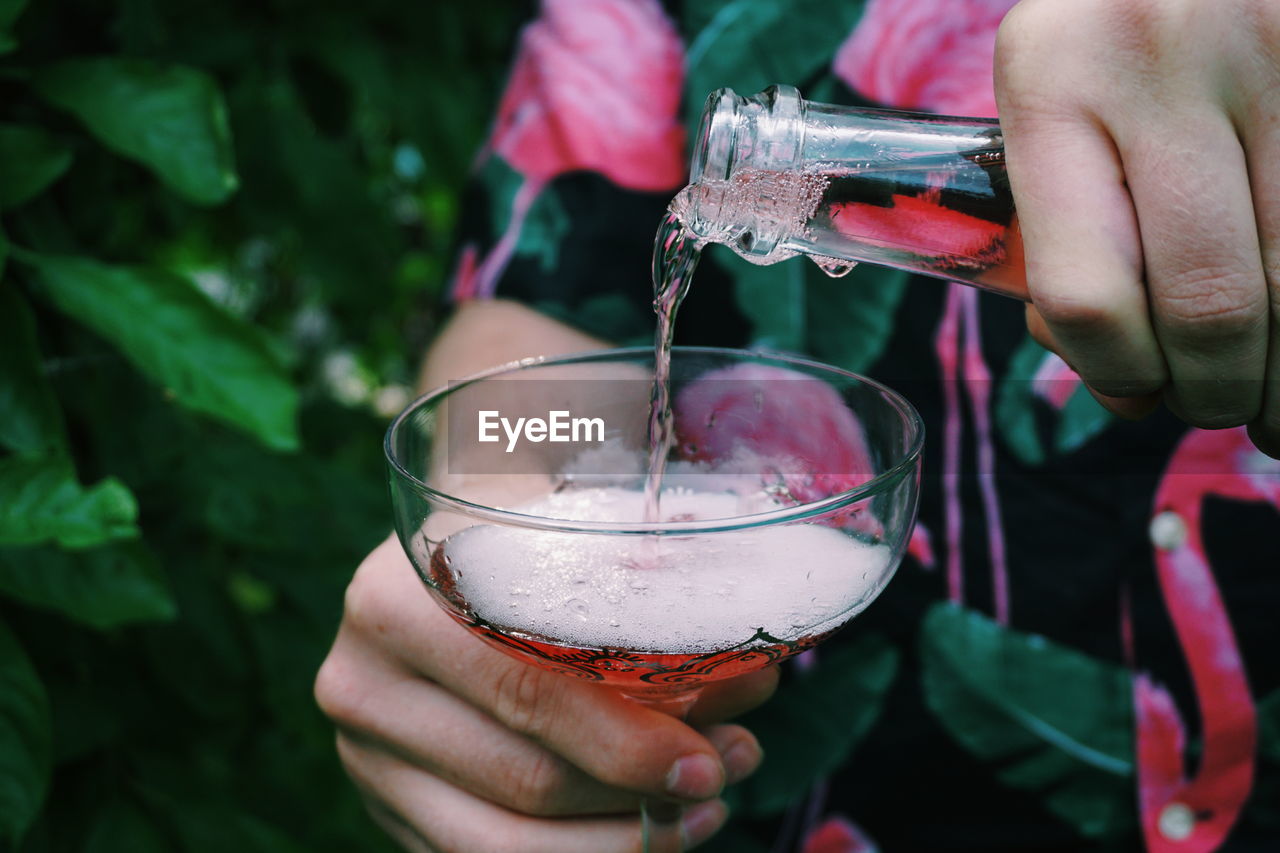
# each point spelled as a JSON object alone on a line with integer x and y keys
{"x": 661, "y": 820}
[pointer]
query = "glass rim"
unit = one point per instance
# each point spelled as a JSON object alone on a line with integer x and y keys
{"x": 809, "y": 509}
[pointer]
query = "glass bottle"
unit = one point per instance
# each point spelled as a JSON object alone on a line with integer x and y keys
{"x": 775, "y": 175}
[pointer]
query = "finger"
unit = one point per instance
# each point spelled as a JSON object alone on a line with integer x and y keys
{"x": 1203, "y": 264}
{"x": 431, "y": 728}
{"x": 1079, "y": 229}
{"x": 724, "y": 700}
{"x": 612, "y": 739}
{"x": 1261, "y": 134}
{"x": 1040, "y": 332}
{"x": 447, "y": 818}
{"x": 1129, "y": 408}
{"x": 392, "y": 825}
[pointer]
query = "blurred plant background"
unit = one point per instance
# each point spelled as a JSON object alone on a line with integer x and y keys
{"x": 224, "y": 227}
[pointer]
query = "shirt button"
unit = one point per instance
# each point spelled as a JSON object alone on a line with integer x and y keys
{"x": 1168, "y": 531}
{"x": 1177, "y": 822}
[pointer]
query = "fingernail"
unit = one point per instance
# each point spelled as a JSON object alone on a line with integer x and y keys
{"x": 741, "y": 760}
{"x": 701, "y": 822}
{"x": 695, "y": 777}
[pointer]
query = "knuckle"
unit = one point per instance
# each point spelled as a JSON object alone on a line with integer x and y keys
{"x": 362, "y": 604}
{"x": 522, "y": 698}
{"x": 536, "y": 787}
{"x": 1020, "y": 49}
{"x": 1145, "y": 26}
{"x": 1262, "y": 19}
{"x": 335, "y": 690}
{"x": 1074, "y": 314}
{"x": 1210, "y": 302}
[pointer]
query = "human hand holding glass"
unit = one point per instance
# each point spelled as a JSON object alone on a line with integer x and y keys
{"x": 738, "y": 579}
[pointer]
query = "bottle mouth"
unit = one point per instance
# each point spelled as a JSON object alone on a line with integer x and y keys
{"x": 736, "y": 136}
{"x": 713, "y": 147}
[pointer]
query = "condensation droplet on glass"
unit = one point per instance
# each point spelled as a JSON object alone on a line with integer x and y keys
{"x": 579, "y": 608}
{"x": 833, "y": 267}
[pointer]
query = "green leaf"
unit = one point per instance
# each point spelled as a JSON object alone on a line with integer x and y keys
{"x": 1015, "y": 410}
{"x": 1018, "y": 410}
{"x": 1081, "y": 419}
{"x": 122, "y": 827}
{"x": 9, "y": 12}
{"x": 772, "y": 297}
{"x": 40, "y": 501}
{"x": 211, "y": 361}
{"x": 31, "y": 421}
{"x": 751, "y": 44}
{"x": 207, "y": 829}
{"x": 544, "y": 228}
{"x": 1269, "y": 727}
{"x": 850, "y": 319}
{"x": 30, "y": 160}
{"x": 102, "y": 588}
{"x": 1054, "y": 721}
{"x": 501, "y": 183}
{"x": 26, "y": 742}
{"x": 809, "y": 729}
{"x": 170, "y": 118}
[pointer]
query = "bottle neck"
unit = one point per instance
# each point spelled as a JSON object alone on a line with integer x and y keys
{"x": 773, "y": 176}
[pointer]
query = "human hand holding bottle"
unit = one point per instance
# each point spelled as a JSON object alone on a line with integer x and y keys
{"x": 1143, "y": 145}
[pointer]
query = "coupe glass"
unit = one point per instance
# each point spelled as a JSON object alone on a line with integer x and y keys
{"x": 788, "y": 501}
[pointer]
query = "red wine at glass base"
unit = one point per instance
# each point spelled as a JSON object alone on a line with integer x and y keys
{"x": 655, "y": 615}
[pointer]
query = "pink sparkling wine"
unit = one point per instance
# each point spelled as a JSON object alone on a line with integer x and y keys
{"x": 655, "y": 614}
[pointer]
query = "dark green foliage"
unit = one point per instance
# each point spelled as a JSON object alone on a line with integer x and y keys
{"x": 1080, "y": 419}
{"x": 24, "y": 740}
{"x": 31, "y": 158}
{"x": 748, "y": 46}
{"x": 224, "y": 228}
{"x": 1048, "y": 715}
{"x": 31, "y": 422}
{"x": 207, "y": 359}
{"x": 1269, "y": 728}
{"x": 810, "y": 728}
{"x": 41, "y": 502}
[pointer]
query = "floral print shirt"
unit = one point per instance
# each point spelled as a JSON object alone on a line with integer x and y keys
{"x": 1080, "y": 650}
